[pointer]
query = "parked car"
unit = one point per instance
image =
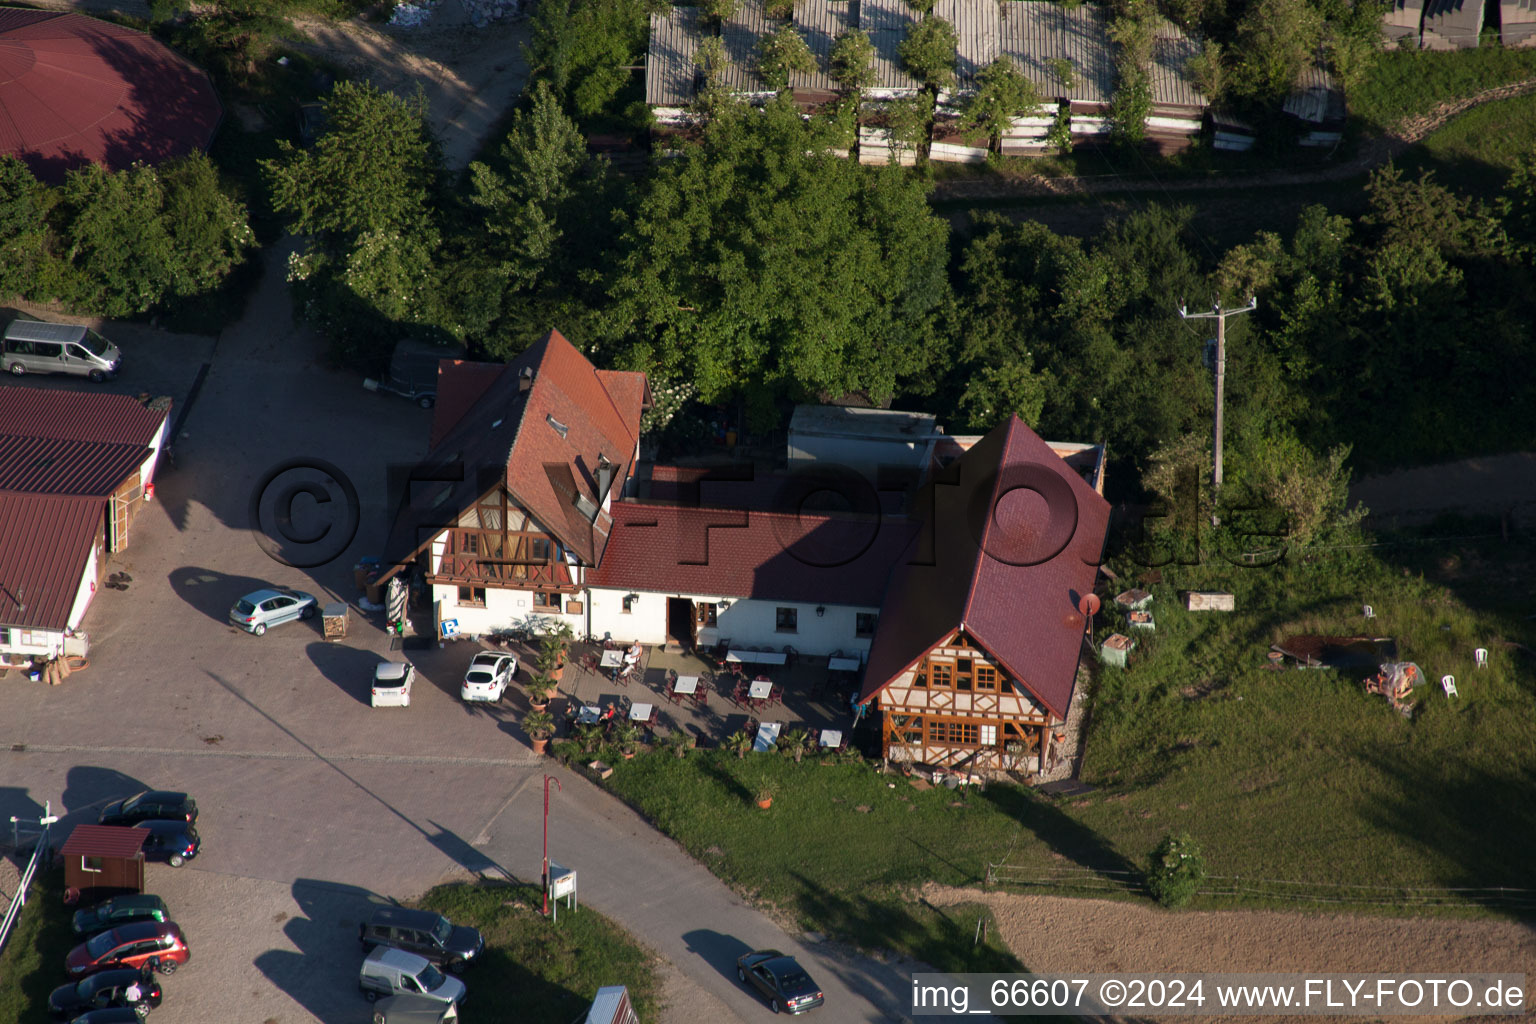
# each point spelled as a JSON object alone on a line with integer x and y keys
{"x": 780, "y": 979}
{"x": 119, "y": 910}
{"x": 103, "y": 990}
{"x": 413, "y": 1010}
{"x": 153, "y": 805}
{"x": 430, "y": 936}
{"x": 33, "y": 346}
{"x": 158, "y": 945}
{"x": 392, "y": 684}
{"x": 388, "y": 972}
{"x": 116, "y": 1015}
{"x": 174, "y": 842}
{"x": 260, "y": 610}
{"x": 488, "y": 676}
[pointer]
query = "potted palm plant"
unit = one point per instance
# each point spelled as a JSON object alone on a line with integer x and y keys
{"x": 739, "y": 743}
{"x": 540, "y": 727}
{"x": 765, "y": 796}
{"x": 627, "y": 737}
{"x": 794, "y": 743}
{"x": 540, "y": 686}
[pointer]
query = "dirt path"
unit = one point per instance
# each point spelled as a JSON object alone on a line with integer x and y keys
{"x": 1374, "y": 151}
{"x": 1054, "y": 934}
{"x": 1490, "y": 484}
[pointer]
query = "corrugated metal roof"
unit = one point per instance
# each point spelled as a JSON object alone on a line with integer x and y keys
{"x": 1457, "y": 22}
{"x": 820, "y": 22}
{"x": 1171, "y": 52}
{"x": 104, "y": 841}
{"x": 79, "y": 416}
{"x": 741, "y": 33}
{"x": 1035, "y": 33}
{"x": 75, "y": 90}
{"x": 36, "y": 465}
{"x": 886, "y": 23}
{"x": 978, "y": 28}
{"x": 45, "y": 543}
{"x": 669, "y": 68}
{"x": 1317, "y": 98}
{"x": 1008, "y": 501}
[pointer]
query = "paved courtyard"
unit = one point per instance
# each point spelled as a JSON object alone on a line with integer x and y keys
{"x": 312, "y": 802}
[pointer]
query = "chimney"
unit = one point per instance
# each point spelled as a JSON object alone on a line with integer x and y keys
{"x": 524, "y": 379}
{"x": 604, "y": 476}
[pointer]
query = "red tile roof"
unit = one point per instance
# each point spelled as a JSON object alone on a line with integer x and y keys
{"x": 75, "y": 90}
{"x": 45, "y": 542}
{"x": 80, "y": 416}
{"x": 1015, "y": 542}
{"x": 543, "y": 444}
{"x": 104, "y": 841}
{"x": 35, "y": 465}
{"x": 459, "y": 386}
{"x": 768, "y": 556}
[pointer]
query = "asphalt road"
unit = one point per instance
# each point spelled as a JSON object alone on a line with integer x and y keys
{"x": 312, "y": 802}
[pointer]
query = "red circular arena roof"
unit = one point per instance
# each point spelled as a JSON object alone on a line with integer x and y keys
{"x": 74, "y": 90}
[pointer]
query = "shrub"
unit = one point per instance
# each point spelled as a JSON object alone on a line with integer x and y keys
{"x": 1176, "y": 870}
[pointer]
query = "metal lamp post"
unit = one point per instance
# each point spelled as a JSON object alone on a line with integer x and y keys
{"x": 544, "y": 876}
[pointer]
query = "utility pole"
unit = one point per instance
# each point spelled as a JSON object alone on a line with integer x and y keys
{"x": 1220, "y": 316}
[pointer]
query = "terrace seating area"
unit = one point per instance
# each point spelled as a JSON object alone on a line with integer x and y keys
{"x": 709, "y": 695}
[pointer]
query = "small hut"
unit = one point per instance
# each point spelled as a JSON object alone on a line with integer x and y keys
{"x": 103, "y": 860}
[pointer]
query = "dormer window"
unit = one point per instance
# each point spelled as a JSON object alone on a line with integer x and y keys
{"x": 559, "y": 428}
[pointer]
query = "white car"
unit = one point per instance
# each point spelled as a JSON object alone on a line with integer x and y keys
{"x": 488, "y": 676}
{"x": 392, "y": 684}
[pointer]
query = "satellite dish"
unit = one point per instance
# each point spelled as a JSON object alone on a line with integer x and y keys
{"x": 1088, "y": 605}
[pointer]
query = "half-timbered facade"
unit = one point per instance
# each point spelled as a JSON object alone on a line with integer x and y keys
{"x": 976, "y": 657}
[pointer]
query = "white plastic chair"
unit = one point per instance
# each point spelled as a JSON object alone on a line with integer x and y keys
{"x": 1481, "y": 657}
{"x": 1448, "y": 684}
{"x": 1370, "y": 612}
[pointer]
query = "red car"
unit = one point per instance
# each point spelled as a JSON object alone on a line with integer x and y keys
{"x": 158, "y": 945}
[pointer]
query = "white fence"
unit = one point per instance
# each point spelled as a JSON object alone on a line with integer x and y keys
{"x": 18, "y": 901}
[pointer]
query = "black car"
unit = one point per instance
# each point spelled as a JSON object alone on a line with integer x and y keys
{"x": 155, "y": 805}
{"x": 778, "y": 977}
{"x": 174, "y": 842}
{"x": 430, "y": 936}
{"x": 119, "y": 910}
{"x": 116, "y": 1015}
{"x": 100, "y": 991}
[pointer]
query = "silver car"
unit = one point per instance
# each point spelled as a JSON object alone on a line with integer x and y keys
{"x": 258, "y": 610}
{"x": 488, "y": 676}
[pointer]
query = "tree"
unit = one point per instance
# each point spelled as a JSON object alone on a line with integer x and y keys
{"x": 1312, "y": 493}
{"x": 542, "y": 153}
{"x": 759, "y": 264}
{"x": 208, "y": 230}
{"x": 1064, "y": 71}
{"x": 23, "y": 203}
{"x": 780, "y": 54}
{"x": 1207, "y": 71}
{"x": 853, "y": 62}
{"x": 1002, "y": 94}
{"x": 374, "y": 169}
{"x": 1132, "y": 31}
{"x": 584, "y": 48}
{"x": 1175, "y": 871}
{"x": 997, "y": 392}
{"x": 928, "y": 53}
{"x": 1274, "y": 40}
{"x": 718, "y": 10}
{"x": 711, "y": 59}
{"x": 910, "y": 122}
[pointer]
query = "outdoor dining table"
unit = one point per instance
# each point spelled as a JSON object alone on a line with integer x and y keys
{"x": 589, "y": 715}
{"x": 843, "y": 664}
{"x": 832, "y": 738}
{"x": 761, "y": 689}
{"x": 756, "y": 657}
{"x": 612, "y": 659}
{"x": 686, "y": 686}
{"x": 640, "y": 712}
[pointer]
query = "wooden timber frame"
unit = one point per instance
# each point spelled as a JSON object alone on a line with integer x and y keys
{"x": 958, "y": 708}
{"x": 496, "y": 543}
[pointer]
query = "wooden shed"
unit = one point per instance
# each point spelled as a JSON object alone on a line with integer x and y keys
{"x": 103, "y": 860}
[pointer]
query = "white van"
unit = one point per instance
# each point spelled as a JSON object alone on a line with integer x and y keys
{"x": 389, "y": 972}
{"x": 34, "y": 346}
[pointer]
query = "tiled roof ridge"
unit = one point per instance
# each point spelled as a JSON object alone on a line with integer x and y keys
{"x": 791, "y": 516}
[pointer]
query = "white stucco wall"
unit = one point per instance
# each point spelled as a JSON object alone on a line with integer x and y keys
{"x": 84, "y": 592}
{"x": 745, "y": 623}
{"x": 503, "y": 609}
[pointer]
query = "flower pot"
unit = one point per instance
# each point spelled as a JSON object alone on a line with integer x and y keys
{"x": 766, "y": 803}
{"x": 539, "y": 746}
{"x": 556, "y": 672}
{"x": 628, "y": 754}
{"x": 538, "y": 705}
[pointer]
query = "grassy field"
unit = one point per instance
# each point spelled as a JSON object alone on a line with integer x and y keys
{"x": 1312, "y": 792}
{"x": 1403, "y": 83}
{"x": 1476, "y": 151}
{"x": 535, "y": 971}
{"x": 33, "y": 963}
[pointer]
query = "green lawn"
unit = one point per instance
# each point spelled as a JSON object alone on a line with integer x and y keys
{"x": 1476, "y": 150}
{"x": 33, "y": 962}
{"x": 1403, "y": 83}
{"x": 1283, "y": 777}
{"x": 538, "y": 971}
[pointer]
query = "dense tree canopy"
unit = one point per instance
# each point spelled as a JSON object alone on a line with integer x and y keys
{"x": 759, "y": 262}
